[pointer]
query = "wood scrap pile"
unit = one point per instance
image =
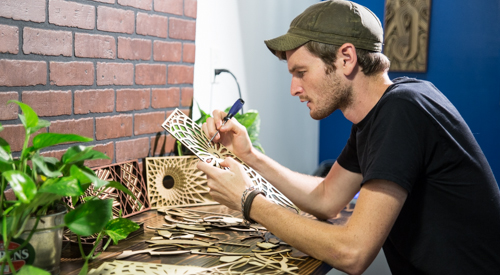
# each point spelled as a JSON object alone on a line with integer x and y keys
{"x": 194, "y": 232}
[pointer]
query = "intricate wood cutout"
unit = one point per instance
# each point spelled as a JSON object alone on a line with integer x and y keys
{"x": 175, "y": 181}
{"x": 407, "y": 34}
{"x": 134, "y": 268}
{"x": 129, "y": 175}
{"x": 190, "y": 135}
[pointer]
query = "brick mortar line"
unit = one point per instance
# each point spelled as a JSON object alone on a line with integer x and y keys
{"x": 47, "y": 26}
{"x": 67, "y": 59}
{"x": 96, "y": 115}
{"x": 41, "y": 87}
{"x": 115, "y": 6}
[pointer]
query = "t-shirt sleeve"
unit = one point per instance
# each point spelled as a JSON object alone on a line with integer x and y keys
{"x": 396, "y": 144}
{"x": 348, "y": 158}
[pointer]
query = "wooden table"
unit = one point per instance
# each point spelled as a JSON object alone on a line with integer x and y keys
{"x": 154, "y": 219}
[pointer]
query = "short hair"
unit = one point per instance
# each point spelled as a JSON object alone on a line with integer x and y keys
{"x": 370, "y": 62}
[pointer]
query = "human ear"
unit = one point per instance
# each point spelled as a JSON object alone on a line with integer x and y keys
{"x": 348, "y": 58}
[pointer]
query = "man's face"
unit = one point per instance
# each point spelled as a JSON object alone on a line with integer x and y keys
{"x": 324, "y": 93}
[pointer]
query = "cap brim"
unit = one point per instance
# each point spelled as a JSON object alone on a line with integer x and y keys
{"x": 285, "y": 42}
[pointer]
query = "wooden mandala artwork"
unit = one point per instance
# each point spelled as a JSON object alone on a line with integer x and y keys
{"x": 190, "y": 135}
{"x": 129, "y": 175}
{"x": 175, "y": 181}
{"x": 406, "y": 30}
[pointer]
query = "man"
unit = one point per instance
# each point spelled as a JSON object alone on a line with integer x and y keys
{"x": 427, "y": 193}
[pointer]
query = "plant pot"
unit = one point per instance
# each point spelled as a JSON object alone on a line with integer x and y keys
{"x": 46, "y": 242}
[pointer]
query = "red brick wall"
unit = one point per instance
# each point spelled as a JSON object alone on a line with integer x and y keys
{"x": 112, "y": 70}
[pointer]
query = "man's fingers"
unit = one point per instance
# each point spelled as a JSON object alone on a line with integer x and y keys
{"x": 233, "y": 126}
{"x": 232, "y": 164}
{"x": 228, "y": 162}
{"x": 204, "y": 128}
{"x": 211, "y": 128}
{"x": 218, "y": 116}
{"x": 208, "y": 169}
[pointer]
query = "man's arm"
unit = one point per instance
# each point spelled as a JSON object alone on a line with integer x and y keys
{"x": 321, "y": 197}
{"x": 351, "y": 247}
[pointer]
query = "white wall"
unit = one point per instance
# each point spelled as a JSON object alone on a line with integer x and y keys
{"x": 230, "y": 34}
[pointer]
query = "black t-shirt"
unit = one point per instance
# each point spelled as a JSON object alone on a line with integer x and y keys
{"x": 450, "y": 222}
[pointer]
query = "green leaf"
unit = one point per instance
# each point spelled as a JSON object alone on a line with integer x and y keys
{"x": 30, "y": 117}
{"x": 50, "y": 160}
{"x": 120, "y": 228}
{"x": 49, "y": 139}
{"x": 5, "y": 157}
{"x": 247, "y": 119}
{"x": 1, "y": 127}
{"x": 24, "y": 187}
{"x": 65, "y": 186}
{"x": 31, "y": 270}
{"x": 41, "y": 124}
{"x": 42, "y": 199}
{"x": 118, "y": 186}
{"x": 88, "y": 198}
{"x": 81, "y": 153}
{"x": 5, "y": 165}
{"x": 85, "y": 268}
{"x": 20, "y": 213}
{"x": 40, "y": 163}
{"x": 4, "y": 147}
{"x": 90, "y": 217}
{"x": 251, "y": 121}
{"x": 27, "y": 152}
{"x": 203, "y": 117}
{"x": 83, "y": 176}
{"x": 8, "y": 220}
{"x": 23, "y": 120}
{"x": 86, "y": 176}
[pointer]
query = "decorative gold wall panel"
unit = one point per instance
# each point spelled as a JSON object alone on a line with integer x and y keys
{"x": 406, "y": 31}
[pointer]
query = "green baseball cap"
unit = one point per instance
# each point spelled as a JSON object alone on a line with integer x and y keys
{"x": 332, "y": 22}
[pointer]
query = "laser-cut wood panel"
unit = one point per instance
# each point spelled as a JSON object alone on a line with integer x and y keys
{"x": 406, "y": 31}
{"x": 190, "y": 135}
{"x": 175, "y": 181}
{"x": 135, "y": 268}
{"x": 129, "y": 175}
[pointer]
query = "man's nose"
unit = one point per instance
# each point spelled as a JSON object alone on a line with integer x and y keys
{"x": 296, "y": 88}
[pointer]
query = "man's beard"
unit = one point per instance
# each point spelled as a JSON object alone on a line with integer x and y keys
{"x": 336, "y": 96}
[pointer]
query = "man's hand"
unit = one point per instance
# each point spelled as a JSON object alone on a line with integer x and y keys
{"x": 232, "y": 135}
{"x": 226, "y": 186}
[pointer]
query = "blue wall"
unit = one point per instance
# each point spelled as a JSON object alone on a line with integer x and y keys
{"x": 463, "y": 62}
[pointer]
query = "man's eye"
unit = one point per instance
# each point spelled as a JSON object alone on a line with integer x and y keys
{"x": 301, "y": 73}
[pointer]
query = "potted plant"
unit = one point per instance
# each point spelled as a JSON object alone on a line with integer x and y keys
{"x": 39, "y": 184}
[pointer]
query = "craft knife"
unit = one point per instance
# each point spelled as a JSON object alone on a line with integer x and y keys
{"x": 233, "y": 111}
